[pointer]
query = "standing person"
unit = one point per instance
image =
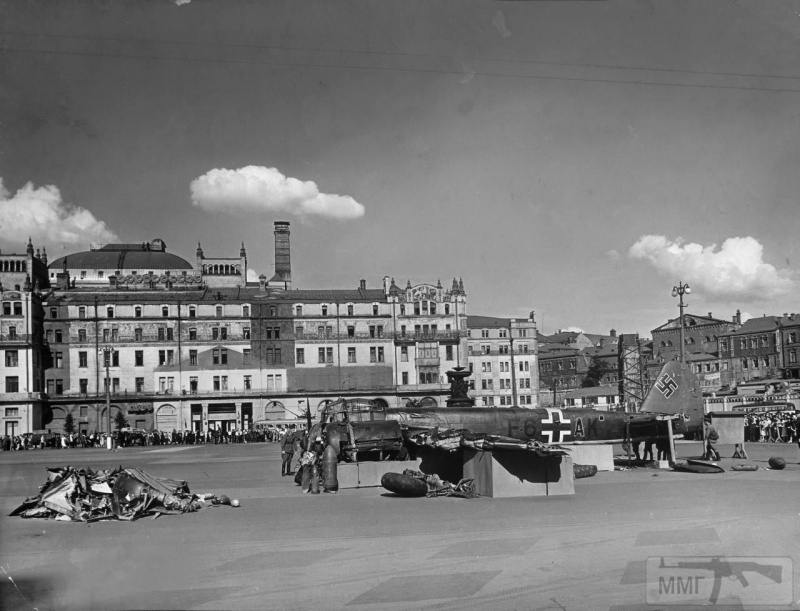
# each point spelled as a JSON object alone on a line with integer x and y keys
{"x": 287, "y": 452}
{"x": 712, "y": 437}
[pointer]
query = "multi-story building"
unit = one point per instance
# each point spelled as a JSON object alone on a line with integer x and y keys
{"x": 200, "y": 348}
{"x": 23, "y": 408}
{"x": 790, "y": 345}
{"x": 751, "y": 351}
{"x": 502, "y": 355}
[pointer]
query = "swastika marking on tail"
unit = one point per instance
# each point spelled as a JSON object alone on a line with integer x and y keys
{"x": 666, "y": 385}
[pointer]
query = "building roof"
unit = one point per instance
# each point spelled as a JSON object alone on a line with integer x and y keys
{"x": 691, "y": 320}
{"x": 758, "y": 325}
{"x": 144, "y": 256}
{"x": 487, "y": 322}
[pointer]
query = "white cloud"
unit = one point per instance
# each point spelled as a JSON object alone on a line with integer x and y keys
{"x": 737, "y": 269}
{"x": 181, "y": 2}
{"x": 39, "y": 212}
{"x": 261, "y": 189}
{"x": 573, "y": 330}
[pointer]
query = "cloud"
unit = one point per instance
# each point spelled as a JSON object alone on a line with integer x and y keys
{"x": 252, "y": 275}
{"x": 737, "y": 269}
{"x": 261, "y": 189}
{"x": 181, "y": 2}
{"x": 39, "y": 212}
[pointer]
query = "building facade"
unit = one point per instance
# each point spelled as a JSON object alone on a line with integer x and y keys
{"x": 502, "y": 356}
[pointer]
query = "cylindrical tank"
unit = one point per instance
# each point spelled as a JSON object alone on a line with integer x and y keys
{"x": 314, "y": 479}
{"x": 329, "y": 461}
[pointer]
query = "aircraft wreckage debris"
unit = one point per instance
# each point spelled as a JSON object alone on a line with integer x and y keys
{"x": 415, "y": 484}
{"x": 84, "y": 495}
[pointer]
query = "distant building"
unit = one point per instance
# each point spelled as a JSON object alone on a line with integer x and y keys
{"x": 605, "y": 397}
{"x": 503, "y": 359}
{"x": 23, "y": 407}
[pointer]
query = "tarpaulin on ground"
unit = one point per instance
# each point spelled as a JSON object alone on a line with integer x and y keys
{"x": 84, "y": 495}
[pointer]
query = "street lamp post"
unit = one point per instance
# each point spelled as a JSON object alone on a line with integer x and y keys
{"x": 679, "y": 291}
{"x": 107, "y": 351}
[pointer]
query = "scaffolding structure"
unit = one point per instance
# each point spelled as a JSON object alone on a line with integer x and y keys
{"x": 632, "y": 372}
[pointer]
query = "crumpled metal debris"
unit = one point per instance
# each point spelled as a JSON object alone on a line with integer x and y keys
{"x": 465, "y": 488}
{"x": 84, "y": 495}
{"x": 451, "y": 440}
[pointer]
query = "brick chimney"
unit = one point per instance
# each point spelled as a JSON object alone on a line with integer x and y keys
{"x": 283, "y": 263}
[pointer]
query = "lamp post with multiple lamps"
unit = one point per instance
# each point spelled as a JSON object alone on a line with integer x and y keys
{"x": 107, "y": 352}
{"x": 679, "y": 291}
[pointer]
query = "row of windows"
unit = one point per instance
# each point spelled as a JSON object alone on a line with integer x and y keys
{"x": 503, "y": 333}
{"x": 501, "y": 349}
{"x": 325, "y": 355}
{"x": 166, "y": 311}
{"x": 12, "y": 308}
{"x": 162, "y": 334}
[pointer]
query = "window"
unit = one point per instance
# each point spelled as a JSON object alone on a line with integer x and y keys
{"x": 246, "y": 333}
{"x": 83, "y": 385}
{"x": 192, "y": 334}
{"x": 115, "y": 358}
{"x": 349, "y": 309}
{"x": 374, "y": 309}
{"x": 59, "y": 387}
{"x": 12, "y": 358}
{"x": 110, "y": 312}
{"x": 12, "y": 333}
{"x": 6, "y": 308}
{"x": 324, "y": 310}
{"x": 246, "y": 311}
{"x": 405, "y": 377}
{"x": 138, "y": 358}
{"x": 744, "y": 363}
{"x": 114, "y": 334}
{"x": 53, "y": 312}
{"x": 137, "y": 334}
{"x": 58, "y": 360}
{"x": 215, "y": 382}
{"x": 214, "y": 333}
{"x": 219, "y": 311}
{"x": 792, "y": 356}
{"x": 215, "y": 356}
{"x": 139, "y": 384}
{"x": 329, "y": 355}
{"x": 81, "y": 335}
{"x": 59, "y": 336}
{"x": 193, "y": 385}
{"x": 165, "y": 311}
{"x": 503, "y": 333}
{"x": 273, "y": 311}
{"x": 192, "y": 312}
{"x": 162, "y": 357}
{"x": 792, "y": 337}
{"x": 223, "y": 356}
{"x": 404, "y": 354}
{"x": 193, "y": 357}
{"x": 433, "y": 307}
{"x": 82, "y": 312}
{"x": 246, "y": 355}
{"x": 12, "y": 383}
{"x": 321, "y": 355}
{"x": 376, "y": 354}
{"x": 248, "y": 382}
{"x": 137, "y": 311}
{"x": 224, "y": 382}
{"x": 300, "y": 356}
{"x": 298, "y": 310}
{"x": 298, "y": 332}
{"x": 223, "y": 332}
{"x": 351, "y": 354}
{"x": 351, "y": 331}
{"x": 402, "y": 309}
{"x": 161, "y": 334}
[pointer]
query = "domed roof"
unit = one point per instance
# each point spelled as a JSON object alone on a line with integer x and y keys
{"x": 145, "y": 256}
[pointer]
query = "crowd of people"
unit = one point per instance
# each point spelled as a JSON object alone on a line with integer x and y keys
{"x": 772, "y": 427}
{"x": 128, "y": 438}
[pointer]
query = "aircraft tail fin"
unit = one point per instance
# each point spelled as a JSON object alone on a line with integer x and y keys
{"x": 676, "y": 391}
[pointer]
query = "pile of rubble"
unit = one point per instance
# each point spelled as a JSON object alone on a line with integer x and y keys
{"x": 84, "y": 495}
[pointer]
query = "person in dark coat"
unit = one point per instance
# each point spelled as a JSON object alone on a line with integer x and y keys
{"x": 287, "y": 451}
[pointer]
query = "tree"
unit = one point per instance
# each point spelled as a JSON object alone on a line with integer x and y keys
{"x": 120, "y": 421}
{"x": 597, "y": 369}
{"x": 69, "y": 424}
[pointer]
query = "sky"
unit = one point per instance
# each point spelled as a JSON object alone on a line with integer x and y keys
{"x": 575, "y": 159}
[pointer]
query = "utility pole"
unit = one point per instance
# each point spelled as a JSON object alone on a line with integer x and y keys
{"x": 679, "y": 291}
{"x": 107, "y": 352}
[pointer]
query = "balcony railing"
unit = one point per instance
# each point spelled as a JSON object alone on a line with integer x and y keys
{"x": 150, "y": 337}
{"x": 344, "y": 337}
{"x": 414, "y": 336}
{"x": 22, "y": 338}
{"x": 427, "y": 361}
